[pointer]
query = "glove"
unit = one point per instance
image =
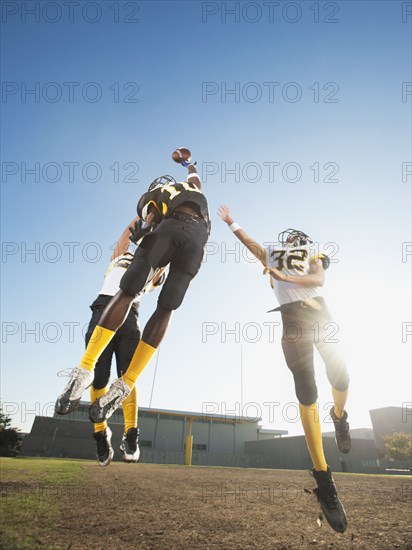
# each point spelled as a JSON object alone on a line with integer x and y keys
{"x": 186, "y": 164}
{"x": 137, "y": 232}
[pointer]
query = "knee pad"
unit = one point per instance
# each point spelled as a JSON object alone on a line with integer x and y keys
{"x": 135, "y": 278}
{"x": 305, "y": 387}
{"x": 174, "y": 290}
{"x": 339, "y": 378}
{"x": 171, "y": 299}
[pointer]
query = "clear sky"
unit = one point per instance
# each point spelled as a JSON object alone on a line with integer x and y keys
{"x": 298, "y": 114}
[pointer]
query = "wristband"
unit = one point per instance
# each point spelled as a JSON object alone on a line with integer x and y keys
{"x": 234, "y": 227}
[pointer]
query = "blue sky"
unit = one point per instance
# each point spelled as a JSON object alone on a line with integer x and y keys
{"x": 336, "y": 113}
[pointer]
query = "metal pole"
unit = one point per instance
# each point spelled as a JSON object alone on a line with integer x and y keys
{"x": 189, "y": 445}
{"x": 241, "y": 381}
{"x": 154, "y": 378}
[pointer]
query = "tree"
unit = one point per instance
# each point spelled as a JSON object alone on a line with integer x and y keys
{"x": 10, "y": 438}
{"x": 398, "y": 446}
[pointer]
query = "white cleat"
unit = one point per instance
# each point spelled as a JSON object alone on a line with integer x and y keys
{"x": 104, "y": 407}
{"x": 80, "y": 380}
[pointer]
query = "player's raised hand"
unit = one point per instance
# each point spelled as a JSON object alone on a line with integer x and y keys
{"x": 182, "y": 156}
{"x": 224, "y": 213}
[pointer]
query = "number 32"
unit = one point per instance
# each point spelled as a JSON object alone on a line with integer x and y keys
{"x": 294, "y": 260}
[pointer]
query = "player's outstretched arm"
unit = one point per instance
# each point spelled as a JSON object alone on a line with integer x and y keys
{"x": 315, "y": 277}
{"x": 193, "y": 176}
{"x": 255, "y": 248}
{"x": 123, "y": 242}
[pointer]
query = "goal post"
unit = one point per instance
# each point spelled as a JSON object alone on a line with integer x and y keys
{"x": 189, "y": 445}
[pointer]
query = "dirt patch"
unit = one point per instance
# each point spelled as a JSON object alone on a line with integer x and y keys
{"x": 149, "y": 506}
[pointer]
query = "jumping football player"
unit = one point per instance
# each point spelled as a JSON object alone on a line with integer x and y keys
{"x": 296, "y": 273}
{"x": 122, "y": 347}
{"x": 180, "y": 215}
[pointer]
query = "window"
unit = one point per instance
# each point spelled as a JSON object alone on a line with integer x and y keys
{"x": 370, "y": 462}
{"x": 199, "y": 447}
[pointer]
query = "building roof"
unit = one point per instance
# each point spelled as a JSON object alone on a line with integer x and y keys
{"x": 233, "y": 419}
{"x": 355, "y": 433}
{"x": 269, "y": 431}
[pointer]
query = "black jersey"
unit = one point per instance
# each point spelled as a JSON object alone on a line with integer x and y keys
{"x": 166, "y": 198}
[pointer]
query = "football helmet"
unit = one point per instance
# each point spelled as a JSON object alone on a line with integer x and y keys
{"x": 161, "y": 180}
{"x": 293, "y": 237}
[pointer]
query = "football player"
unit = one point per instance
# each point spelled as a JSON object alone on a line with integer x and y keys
{"x": 296, "y": 272}
{"x": 177, "y": 227}
{"x": 122, "y": 347}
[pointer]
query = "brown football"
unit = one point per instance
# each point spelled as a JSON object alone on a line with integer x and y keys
{"x": 181, "y": 153}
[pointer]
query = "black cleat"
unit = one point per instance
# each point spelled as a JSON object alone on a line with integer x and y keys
{"x": 130, "y": 445}
{"x": 342, "y": 435}
{"x": 64, "y": 405}
{"x": 80, "y": 379}
{"x": 329, "y": 501}
{"x": 104, "y": 446}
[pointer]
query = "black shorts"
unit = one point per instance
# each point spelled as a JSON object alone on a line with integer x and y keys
{"x": 178, "y": 240}
{"x": 304, "y": 328}
{"x": 122, "y": 345}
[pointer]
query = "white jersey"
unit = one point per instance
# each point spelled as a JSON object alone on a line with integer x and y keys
{"x": 293, "y": 260}
{"x": 115, "y": 272}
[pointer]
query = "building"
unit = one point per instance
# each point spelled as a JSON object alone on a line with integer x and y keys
{"x": 291, "y": 453}
{"x": 217, "y": 439}
{"x": 366, "y": 456}
{"x": 390, "y": 420}
{"x": 386, "y": 422}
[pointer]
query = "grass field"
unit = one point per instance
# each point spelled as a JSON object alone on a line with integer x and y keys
{"x": 30, "y": 498}
{"x": 56, "y": 504}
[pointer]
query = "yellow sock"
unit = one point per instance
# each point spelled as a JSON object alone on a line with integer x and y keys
{"x": 309, "y": 415}
{"x": 339, "y": 399}
{"x": 98, "y": 342}
{"x": 95, "y": 394}
{"x": 130, "y": 410}
{"x": 144, "y": 352}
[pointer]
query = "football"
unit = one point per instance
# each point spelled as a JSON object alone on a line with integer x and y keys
{"x": 181, "y": 153}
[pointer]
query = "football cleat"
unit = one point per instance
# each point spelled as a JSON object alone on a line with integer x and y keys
{"x": 68, "y": 401}
{"x": 130, "y": 445}
{"x": 104, "y": 446}
{"x": 342, "y": 435}
{"x": 104, "y": 406}
{"x": 329, "y": 501}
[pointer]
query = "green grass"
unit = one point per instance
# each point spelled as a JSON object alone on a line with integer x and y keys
{"x": 31, "y": 491}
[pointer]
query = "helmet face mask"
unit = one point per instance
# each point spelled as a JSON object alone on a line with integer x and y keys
{"x": 293, "y": 237}
{"x": 160, "y": 181}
